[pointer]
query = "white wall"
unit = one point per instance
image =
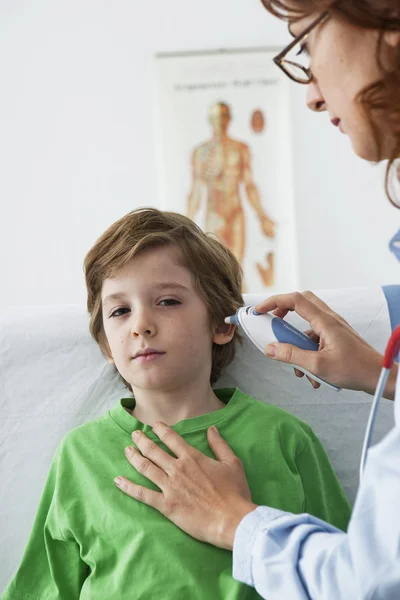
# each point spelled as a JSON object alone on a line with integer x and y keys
{"x": 76, "y": 148}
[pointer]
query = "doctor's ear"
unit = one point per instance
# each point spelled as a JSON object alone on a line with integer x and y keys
{"x": 223, "y": 334}
{"x": 392, "y": 38}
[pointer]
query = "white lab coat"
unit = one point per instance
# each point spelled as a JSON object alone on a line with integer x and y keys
{"x": 298, "y": 557}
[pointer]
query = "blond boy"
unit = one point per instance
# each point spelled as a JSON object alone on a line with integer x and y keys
{"x": 158, "y": 292}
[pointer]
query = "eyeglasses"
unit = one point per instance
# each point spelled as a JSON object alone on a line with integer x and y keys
{"x": 295, "y": 70}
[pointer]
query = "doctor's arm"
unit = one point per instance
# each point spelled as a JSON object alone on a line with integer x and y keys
{"x": 300, "y": 557}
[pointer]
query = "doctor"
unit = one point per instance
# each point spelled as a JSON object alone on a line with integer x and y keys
{"x": 354, "y": 75}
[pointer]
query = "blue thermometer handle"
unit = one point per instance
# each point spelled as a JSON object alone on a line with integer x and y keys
{"x": 287, "y": 334}
{"x": 274, "y": 329}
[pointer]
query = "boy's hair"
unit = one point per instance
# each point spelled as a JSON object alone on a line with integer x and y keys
{"x": 216, "y": 273}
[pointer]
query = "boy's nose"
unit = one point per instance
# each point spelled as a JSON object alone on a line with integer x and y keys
{"x": 143, "y": 325}
{"x": 136, "y": 332}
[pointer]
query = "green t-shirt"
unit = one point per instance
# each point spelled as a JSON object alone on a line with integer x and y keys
{"x": 92, "y": 542}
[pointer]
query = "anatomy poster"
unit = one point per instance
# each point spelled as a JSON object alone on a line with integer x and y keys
{"x": 222, "y": 127}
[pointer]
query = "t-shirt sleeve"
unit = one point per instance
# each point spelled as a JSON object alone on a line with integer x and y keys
{"x": 323, "y": 495}
{"x": 51, "y": 567}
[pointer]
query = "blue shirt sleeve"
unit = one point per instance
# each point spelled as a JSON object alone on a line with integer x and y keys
{"x": 301, "y": 557}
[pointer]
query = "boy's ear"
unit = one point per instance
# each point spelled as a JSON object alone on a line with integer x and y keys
{"x": 103, "y": 342}
{"x": 107, "y": 354}
{"x": 223, "y": 334}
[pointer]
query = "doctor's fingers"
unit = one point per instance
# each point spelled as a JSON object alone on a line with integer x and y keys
{"x": 153, "y": 452}
{"x": 317, "y": 316}
{"x": 314, "y": 383}
{"x": 326, "y": 309}
{"x": 312, "y": 335}
{"x": 146, "y": 466}
{"x": 298, "y": 373}
{"x": 323, "y": 306}
{"x": 138, "y": 492}
{"x": 304, "y": 359}
{"x": 315, "y": 300}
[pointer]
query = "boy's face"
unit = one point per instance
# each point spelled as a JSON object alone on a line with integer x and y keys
{"x": 151, "y": 304}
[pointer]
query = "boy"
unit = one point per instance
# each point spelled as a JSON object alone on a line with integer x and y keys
{"x": 158, "y": 292}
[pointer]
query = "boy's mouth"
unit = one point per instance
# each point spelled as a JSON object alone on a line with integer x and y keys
{"x": 147, "y": 354}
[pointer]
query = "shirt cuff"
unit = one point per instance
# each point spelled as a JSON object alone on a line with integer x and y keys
{"x": 245, "y": 538}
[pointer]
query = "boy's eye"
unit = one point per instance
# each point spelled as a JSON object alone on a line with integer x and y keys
{"x": 118, "y": 312}
{"x": 169, "y": 302}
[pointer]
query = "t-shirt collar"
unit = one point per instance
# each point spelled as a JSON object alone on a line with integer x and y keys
{"x": 229, "y": 396}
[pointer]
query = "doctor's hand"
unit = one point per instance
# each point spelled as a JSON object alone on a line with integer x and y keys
{"x": 344, "y": 358}
{"x": 204, "y": 497}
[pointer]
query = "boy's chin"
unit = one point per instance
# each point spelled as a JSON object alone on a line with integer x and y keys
{"x": 156, "y": 386}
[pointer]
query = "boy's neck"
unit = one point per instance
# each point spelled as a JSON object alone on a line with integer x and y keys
{"x": 173, "y": 406}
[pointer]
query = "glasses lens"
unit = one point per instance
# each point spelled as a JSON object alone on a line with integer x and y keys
{"x": 296, "y": 71}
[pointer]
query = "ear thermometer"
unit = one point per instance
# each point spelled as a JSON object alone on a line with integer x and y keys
{"x": 264, "y": 328}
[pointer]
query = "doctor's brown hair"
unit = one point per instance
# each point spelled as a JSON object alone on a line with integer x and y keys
{"x": 216, "y": 273}
{"x": 381, "y": 99}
